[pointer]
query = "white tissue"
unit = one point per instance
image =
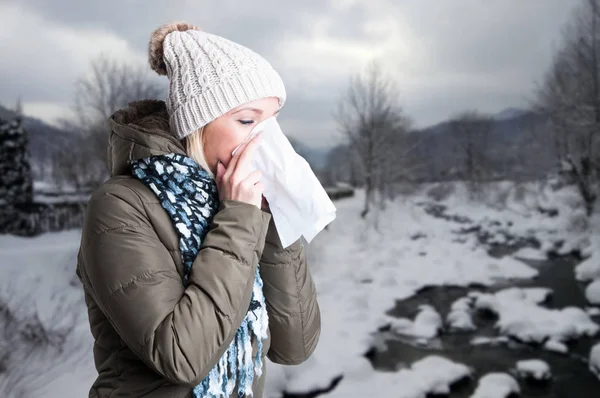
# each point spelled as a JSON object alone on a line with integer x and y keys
{"x": 298, "y": 202}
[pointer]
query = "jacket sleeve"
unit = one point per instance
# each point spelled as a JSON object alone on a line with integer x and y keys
{"x": 178, "y": 332}
{"x": 291, "y": 297}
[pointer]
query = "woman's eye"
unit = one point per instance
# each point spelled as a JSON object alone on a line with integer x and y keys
{"x": 246, "y": 122}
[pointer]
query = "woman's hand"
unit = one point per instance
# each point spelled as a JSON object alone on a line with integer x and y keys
{"x": 236, "y": 182}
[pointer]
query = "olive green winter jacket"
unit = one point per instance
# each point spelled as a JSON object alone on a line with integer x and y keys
{"x": 153, "y": 337}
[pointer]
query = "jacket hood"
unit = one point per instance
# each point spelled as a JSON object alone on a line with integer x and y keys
{"x": 138, "y": 131}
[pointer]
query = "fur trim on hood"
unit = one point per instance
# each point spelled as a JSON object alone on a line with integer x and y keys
{"x": 138, "y": 131}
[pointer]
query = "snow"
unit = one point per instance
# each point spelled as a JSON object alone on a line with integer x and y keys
{"x": 460, "y": 316}
{"x": 60, "y": 199}
{"x": 589, "y": 269}
{"x": 483, "y": 340}
{"x": 521, "y": 316}
{"x": 533, "y": 368}
{"x": 556, "y": 346}
{"x": 431, "y": 375}
{"x": 439, "y": 373}
{"x": 592, "y": 311}
{"x": 594, "y": 360}
{"x": 592, "y": 292}
{"x": 529, "y": 253}
{"x": 40, "y": 281}
{"x": 426, "y": 325}
{"x": 496, "y": 385}
{"x": 49, "y": 193}
{"x": 361, "y": 268}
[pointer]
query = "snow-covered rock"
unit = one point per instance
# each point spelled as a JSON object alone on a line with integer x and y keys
{"x": 533, "y": 369}
{"x": 521, "y": 316}
{"x": 556, "y": 346}
{"x": 428, "y": 376}
{"x": 426, "y": 324}
{"x": 594, "y": 360}
{"x": 460, "y": 316}
{"x": 401, "y": 325}
{"x": 592, "y": 311}
{"x": 535, "y": 295}
{"x": 481, "y": 340}
{"x": 592, "y": 292}
{"x": 440, "y": 373}
{"x": 496, "y": 385}
{"x": 589, "y": 269}
{"x": 529, "y": 253}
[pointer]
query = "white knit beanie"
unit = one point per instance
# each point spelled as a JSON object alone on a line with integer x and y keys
{"x": 208, "y": 75}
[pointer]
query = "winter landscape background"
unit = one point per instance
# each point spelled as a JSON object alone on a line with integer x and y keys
{"x": 465, "y": 257}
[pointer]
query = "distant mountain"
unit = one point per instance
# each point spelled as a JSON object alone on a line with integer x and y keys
{"x": 6, "y": 114}
{"x": 316, "y": 157}
{"x": 509, "y": 113}
{"x": 45, "y": 140}
{"x": 514, "y": 147}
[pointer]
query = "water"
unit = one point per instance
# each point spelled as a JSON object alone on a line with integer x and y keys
{"x": 571, "y": 376}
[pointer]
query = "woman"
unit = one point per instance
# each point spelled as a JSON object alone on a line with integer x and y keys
{"x": 187, "y": 285}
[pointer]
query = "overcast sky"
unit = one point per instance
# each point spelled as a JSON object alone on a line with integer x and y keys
{"x": 446, "y": 56}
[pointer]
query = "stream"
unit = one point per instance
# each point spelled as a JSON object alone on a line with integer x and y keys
{"x": 570, "y": 374}
{"x": 571, "y": 377}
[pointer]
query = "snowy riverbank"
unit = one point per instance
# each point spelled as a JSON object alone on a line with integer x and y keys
{"x": 362, "y": 269}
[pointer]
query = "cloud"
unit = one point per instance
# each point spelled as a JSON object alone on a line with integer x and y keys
{"x": 445, "y": 56}
{"x": 45, "y": 59}
{"x": 485, "y": 55}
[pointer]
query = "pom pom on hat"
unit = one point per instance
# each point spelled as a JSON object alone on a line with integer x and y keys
{"x": 155, "y": 46}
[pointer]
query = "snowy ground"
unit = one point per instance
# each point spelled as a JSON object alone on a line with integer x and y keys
{"x": 361, "y": 269}
{"x": 51, "y": 193}
{"x": 361, "y": 272}
{"x": 40, "y": 289}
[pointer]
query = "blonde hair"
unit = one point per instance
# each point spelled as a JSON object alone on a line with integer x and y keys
{"x": 194, "y": 146}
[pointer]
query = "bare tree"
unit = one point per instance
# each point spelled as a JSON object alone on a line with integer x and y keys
{"x": 535, "y": 150}
{"x": 471, "y": 131}
{"x": 80, "y": 166}
{"x": 372, "y": 119}
{"x": 570, "y": 97}
{"x": 110, "y": 85}
{"x": 401, "y": 161}
{"x": 342, "y": 166}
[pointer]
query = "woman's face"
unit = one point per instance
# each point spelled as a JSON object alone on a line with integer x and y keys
{"x": 226, "y": 132}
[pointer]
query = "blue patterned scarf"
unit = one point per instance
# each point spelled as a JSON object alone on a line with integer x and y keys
{"x": 189, "y": 195}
